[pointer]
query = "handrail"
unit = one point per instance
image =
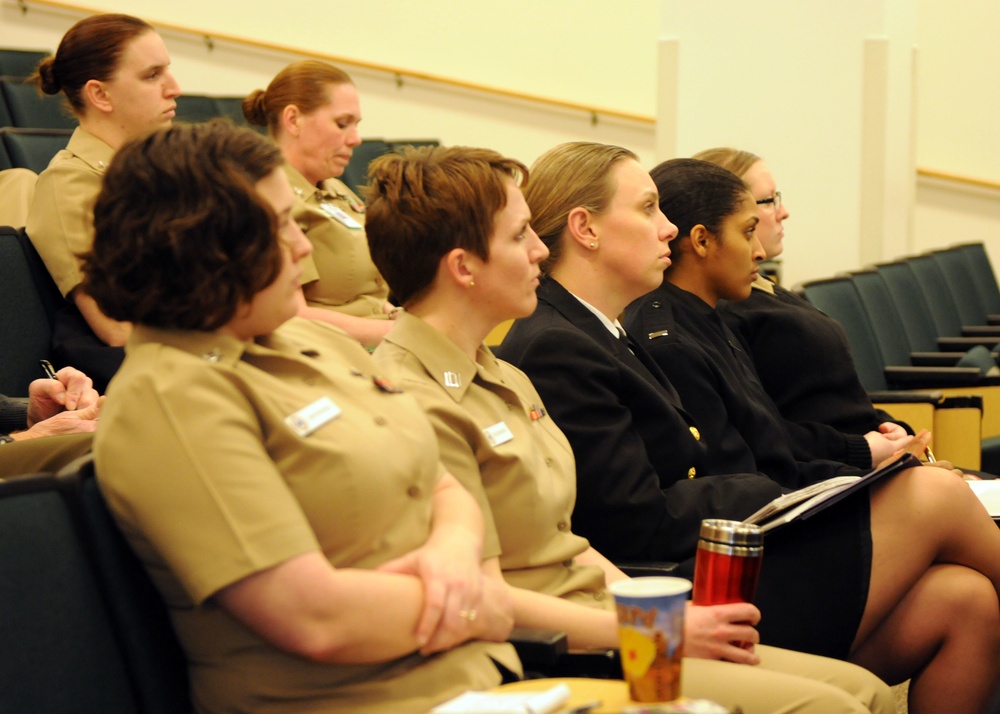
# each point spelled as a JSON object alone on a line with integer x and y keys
{"x": 209, "y": 37}
{"x": 959, "y": 178}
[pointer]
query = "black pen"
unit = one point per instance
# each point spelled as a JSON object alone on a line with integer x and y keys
{"x": 49, "y": 370}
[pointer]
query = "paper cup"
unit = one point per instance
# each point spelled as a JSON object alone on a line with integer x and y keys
{"x": 651, "y": 632}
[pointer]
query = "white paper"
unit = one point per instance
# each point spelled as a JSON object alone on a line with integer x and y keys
{"x": 547, "y": 702}
{"x": 989, "y": 494}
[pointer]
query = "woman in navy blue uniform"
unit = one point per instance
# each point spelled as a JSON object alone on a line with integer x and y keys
{"x": 902, "y": 579}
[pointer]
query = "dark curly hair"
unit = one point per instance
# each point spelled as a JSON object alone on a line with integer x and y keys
{"x": 425, "y": 202}
{"x": 182, "y": 238}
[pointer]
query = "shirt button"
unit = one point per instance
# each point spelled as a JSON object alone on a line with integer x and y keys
{"x": 511, "y": 407}
{"x": 380, "y": 420}
{"x": 310, "y": 381}
{"x": 695, "y": 433}
{"x": 600, "y": 595}
{"x": 548, "y": 460}
{"x": 413, "y": 491}
{"x": 692, "y": 472}
{"x": 562, "y": 525}
{"x": 656, "y": 304}
{"x": 567, "y": 563}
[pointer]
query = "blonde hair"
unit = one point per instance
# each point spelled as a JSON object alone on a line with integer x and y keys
{"x": 735, "y": 160}
{"x": 572, "y": 175}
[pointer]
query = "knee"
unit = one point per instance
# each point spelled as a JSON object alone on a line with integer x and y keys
{"x": 928, "y": 490}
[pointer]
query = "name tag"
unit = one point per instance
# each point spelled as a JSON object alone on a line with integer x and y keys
{"x": 340, "y": 214}
{"x": 307, "y": 420}
{"x": 498, "y": 434}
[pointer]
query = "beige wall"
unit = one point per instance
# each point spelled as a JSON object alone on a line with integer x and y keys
{"x": 827, "y": 94}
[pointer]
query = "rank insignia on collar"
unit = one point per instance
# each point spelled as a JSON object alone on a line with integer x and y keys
{"x": 452, "y": 379}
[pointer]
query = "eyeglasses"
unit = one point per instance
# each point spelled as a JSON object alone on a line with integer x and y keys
{"x": 775, "y": 199}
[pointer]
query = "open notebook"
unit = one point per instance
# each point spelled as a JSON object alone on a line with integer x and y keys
{"x": 989, "y": 493}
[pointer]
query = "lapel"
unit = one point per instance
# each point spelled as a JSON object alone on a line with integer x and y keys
{"x": 562, "y": 301}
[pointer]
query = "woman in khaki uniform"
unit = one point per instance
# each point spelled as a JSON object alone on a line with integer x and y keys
{"x": 114, "y": 72}
{"x": 459, "y": 277}
{"x": 311, "y": 110}
{"x": 290, "y": 507}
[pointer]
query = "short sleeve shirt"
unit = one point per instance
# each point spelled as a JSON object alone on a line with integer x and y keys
{"x": 340, "y": 274}
{"x": 497, "y": 439}
{"x": 61, "y": 218}
{"x": 220, "y": 459}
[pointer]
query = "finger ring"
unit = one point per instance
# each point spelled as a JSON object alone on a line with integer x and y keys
{"x": 469, "y": 615}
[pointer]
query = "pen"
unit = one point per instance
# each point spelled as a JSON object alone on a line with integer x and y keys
{"x": 50, "y": 372}
{"x": 930, "y": 455}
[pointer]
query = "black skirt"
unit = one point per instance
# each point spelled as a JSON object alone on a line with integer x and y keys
{"x": 815, "y": 578}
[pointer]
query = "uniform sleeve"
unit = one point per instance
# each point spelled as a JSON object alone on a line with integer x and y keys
{"x": 61, "y": 220}
{"x": 622, "y": 507}
{"x": 183, "y": 464}
{"x": 13, "y": 414}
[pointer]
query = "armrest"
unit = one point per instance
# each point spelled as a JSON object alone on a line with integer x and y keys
{"x": 962, "y": 344}
{"x": 903, "y": 397}
{"x": 993, "y": 319}
{"x": 981, "y": 331}
{"x": 642, "y": 570}
{"x": 935, "y": 359}
{"x": 932, "y": 377}
{"x": 546, "y": 653}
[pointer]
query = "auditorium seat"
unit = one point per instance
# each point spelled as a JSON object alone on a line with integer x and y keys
{"x": 33, "y": 148}
{"x": 20, "y": 63}
{"x": 30, "y": 110}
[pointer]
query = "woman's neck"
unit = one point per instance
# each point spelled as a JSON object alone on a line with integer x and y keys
{"x": 454, "y": 318}
{"x": 690, "y": 281}
{"x": 105, "y": 130}
{"x": 585, "y": 282}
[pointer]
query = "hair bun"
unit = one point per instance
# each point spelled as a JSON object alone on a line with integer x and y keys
{"x": 254, "y": 109}
{"x": 45, "y": 76}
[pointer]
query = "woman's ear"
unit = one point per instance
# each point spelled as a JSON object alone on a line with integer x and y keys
{"x": 97, "y": 96}
{"x": 458, "y": 267}
{"x": 581, "y": 228}
{"x": 290, "y": 117}
{"x": 700, "y": 237}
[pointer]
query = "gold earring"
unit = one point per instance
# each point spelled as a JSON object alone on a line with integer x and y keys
{"x": 593, "y": 245}
{"x": 472, "y": 283}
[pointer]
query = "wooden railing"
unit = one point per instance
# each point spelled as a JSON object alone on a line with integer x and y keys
{"x": 959, "y": 178}
{"x": 210, "y": 37}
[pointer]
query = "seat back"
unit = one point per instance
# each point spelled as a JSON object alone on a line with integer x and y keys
{"x": 196, "y": 108}
{"x": 981, "y": 270}
{"x": 155, "y": 659}
{"x": 33, "y": 149}
{"x": 30, "y": 110}
{"x": 883, "y": 317}
{"x": 29, "y": 298}
{"x": 971, "y": 306}
{"x": 356, "y": 173}
{"x": 20, "y": 63}
{"x": 59, "y": 651}
{"x": 838, "y": 298}
{"x": 911, "y": 305}
{"x": 940, "y": 299}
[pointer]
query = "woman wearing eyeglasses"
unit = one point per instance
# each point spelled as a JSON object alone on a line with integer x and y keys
{"x": 816, "y": 381}
{"x": 902, "y": 579}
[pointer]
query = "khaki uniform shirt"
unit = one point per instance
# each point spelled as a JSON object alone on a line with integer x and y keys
{"x": 496, "y": 438}
{"x": 339, "y": 275}
{"x": 17, "y": 187}
{"x": 61, "y": 219}
{"x": 211, "y": 481}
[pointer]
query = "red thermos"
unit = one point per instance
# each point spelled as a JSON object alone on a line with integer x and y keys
{"x": 727, "y": 565}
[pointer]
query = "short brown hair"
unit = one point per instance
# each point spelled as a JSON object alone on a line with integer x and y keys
{"x": 425, "y": 202}
{"x": 181, "y": 236}
{"x": 306, "y": 84}
{"x": 91, "y": 49}
{"x": 735, "y": 160}
{"x": 576, "y": 174}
